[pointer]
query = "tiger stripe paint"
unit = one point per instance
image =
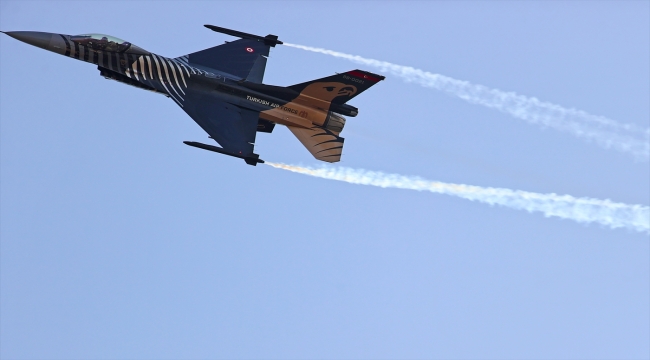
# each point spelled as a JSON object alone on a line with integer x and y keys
{"x": 221, "y": 89}
{"x": 167, "y": 79}
{"x": 323, "y": 144}
{"x": 178, "y": 63}
{"x": 134, "y": 66}
{"x": 173, "y": 70}
{"x": 67, "y": 45}
{"x": 162, "y": 82}
{"x": 144, "y": 72}
{"x": 150, "y": 67}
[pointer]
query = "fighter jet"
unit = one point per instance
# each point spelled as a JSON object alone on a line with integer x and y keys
{"x": 221, "y": 89}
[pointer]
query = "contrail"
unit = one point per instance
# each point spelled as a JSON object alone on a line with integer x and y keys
{"x": 627, "y": 138}
{"x": 583, "y": 210}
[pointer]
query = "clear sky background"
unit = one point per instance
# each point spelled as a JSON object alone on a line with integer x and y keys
{"x": 119, "y": 241}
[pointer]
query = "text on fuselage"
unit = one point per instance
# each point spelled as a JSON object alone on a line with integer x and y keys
{"x": 273, "y": 105}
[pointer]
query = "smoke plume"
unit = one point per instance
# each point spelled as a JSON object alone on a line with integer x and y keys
{"x": 627, "y": 138}
{"x": 583, "y": 210}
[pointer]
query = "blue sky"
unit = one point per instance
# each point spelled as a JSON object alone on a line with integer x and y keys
{"x": 119, "y": 241}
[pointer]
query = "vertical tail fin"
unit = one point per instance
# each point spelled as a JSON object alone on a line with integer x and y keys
{"x": 339, "y": 88}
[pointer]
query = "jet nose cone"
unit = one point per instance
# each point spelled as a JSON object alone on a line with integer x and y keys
{"x": 39, "y": 39}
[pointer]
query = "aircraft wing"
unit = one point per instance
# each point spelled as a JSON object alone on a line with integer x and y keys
{"x": 245, "y": 58}
{"x": 232, "y": 127}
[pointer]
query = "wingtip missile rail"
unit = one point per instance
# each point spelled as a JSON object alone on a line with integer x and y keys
{"x": 270, "y": 40}
{"x": 251, "y": 159}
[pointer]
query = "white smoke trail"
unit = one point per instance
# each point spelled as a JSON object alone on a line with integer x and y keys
{"x": 583, "y": 210}
{"x": 627, "y": 138}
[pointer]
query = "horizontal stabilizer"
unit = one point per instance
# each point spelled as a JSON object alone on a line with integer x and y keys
{"x": 323, "y": 144}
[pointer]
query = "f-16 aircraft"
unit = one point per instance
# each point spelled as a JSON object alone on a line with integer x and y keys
{"x": 221, "y": 89}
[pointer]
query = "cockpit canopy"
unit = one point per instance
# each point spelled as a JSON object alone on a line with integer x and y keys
{"x": 101, "y": 42}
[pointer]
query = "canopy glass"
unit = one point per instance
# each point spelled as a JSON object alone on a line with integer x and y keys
{"x": 101, "y": 42}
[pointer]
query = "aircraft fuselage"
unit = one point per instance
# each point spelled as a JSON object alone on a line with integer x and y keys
{"x": 221, "y": 89}
{"x": 175, "y": 77}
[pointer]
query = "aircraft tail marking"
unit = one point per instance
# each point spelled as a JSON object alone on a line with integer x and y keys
{"x": 339, "y": 88}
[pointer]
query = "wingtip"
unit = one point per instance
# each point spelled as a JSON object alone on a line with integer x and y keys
{"x": 270, "y": 40}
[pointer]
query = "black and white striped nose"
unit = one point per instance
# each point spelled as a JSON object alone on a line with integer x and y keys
{"x": 35, "y": 38}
